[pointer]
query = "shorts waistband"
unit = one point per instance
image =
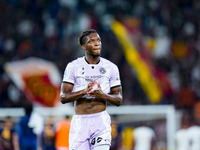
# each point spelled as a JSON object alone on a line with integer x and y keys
{"x": 90, "y": 115}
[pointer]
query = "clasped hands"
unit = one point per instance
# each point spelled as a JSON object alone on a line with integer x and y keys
{"x": 93, "y": 89}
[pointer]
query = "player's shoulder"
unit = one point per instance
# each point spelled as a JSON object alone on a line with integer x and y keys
{"x": 76, "y": 61}
{"x": 107, "y": 62}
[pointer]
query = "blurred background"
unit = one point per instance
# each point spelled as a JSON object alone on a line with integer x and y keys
{"x": 155, "y": 44}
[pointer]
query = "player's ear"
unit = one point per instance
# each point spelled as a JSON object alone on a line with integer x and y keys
{"x": 83, "y": 46}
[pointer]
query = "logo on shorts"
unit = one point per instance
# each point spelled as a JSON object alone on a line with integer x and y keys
{"x": 93, "y": 141}
{"x": 102, "y": 70}
{"x": 99, "y": 139}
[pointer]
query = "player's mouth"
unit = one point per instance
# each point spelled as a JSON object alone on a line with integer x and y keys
{"x": 96, "y": 49}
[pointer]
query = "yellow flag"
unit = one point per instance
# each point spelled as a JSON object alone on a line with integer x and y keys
{"x": 145, "y": 77}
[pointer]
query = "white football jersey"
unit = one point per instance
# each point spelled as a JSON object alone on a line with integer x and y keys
{"x": 79, "y": 73}
{"x": 143, "y": 137}
{"x": 194, "y": 137}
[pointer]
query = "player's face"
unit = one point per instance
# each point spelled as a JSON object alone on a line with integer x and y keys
{"x": 93, "y": 45}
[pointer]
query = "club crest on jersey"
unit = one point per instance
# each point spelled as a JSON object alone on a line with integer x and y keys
{"x": 102, "y": 70}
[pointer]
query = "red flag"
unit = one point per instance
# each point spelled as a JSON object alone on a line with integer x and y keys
{"x": 39, "y": 79}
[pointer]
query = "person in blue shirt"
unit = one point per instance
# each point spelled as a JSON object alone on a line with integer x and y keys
{"x": 27, "y": 138}
{"x": 48, "y": 135}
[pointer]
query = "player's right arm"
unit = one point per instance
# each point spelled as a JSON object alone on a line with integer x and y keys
{"x": 66, "y": 94}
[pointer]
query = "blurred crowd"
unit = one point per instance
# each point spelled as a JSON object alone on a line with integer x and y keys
{"x": 167, "y": 32}
{"x": 34, "y": 131}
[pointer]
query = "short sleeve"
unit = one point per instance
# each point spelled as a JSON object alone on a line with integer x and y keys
{"x": 115, "y": 77}
{"x": 69, "y": 74}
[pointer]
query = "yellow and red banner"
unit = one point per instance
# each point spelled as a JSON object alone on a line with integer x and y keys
{"x": 144, "y": 74}
{"x": 39, "y": 79}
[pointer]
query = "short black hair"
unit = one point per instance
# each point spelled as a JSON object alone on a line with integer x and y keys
{"x": 84, "y": 34}
{"x": 28, "y": 107}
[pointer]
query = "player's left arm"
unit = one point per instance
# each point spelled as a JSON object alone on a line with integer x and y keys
{"x": 114, "y": 97}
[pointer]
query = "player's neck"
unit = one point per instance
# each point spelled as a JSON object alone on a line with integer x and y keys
{"x": 92, "y": 60}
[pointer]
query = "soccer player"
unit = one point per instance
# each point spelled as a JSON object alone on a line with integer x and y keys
{"x": 90, "y": 82}
{"x": 143, "y": 138}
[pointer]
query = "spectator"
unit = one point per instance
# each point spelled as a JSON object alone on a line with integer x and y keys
{"x": 48, "y": 135}
{"x": 62, "y": 134}
{"x": 26, "y": 131}
{"x": 8, "y": 136}
{"x": 116, "y": 134}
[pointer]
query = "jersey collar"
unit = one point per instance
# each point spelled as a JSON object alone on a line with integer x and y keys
{"x": 89, "y": 63}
